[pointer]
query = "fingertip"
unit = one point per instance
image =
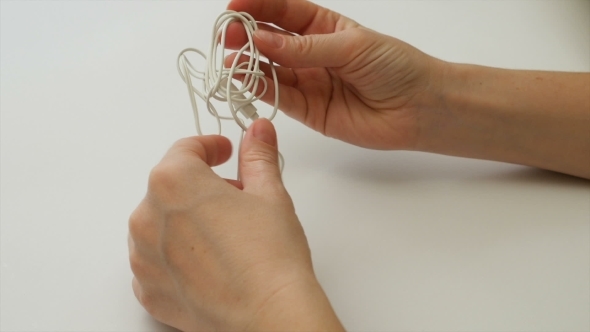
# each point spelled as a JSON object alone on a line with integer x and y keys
{"x": 239, "y": 5}
{"x": 212, "y": 149}
{"x": 236, "y": 36}
{"x": 263, "y": 130}
{"x": 233, "y": 5}
{"x": 224, "y": 149}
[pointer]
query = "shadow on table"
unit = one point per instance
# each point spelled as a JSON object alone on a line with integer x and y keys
{"x": 404, "y": 167}
{"x": 536, "y": 175}
{"x": 156, "y": 326}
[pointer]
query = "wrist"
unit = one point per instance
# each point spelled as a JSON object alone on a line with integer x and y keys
{"x": 462, "y": 117}
{"x": 432, "y": 105}
{"x": 533, "y": 118}
{"x": 301, "y": 305}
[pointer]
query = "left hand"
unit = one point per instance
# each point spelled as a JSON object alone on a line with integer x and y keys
{"x": 340, "y": 78}
{"x": 214, "y": 254}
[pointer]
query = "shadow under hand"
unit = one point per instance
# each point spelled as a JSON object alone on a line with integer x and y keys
{"x": 402, "y": 167}
{"x": 531, "y": 175}
{"x": 155, "y": 326}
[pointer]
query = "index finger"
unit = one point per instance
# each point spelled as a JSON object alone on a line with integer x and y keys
{"x": 212, "y": 149}
{"x": 298, "y": 16}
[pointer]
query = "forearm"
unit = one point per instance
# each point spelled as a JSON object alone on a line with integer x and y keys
{"x": 533, "y": 118}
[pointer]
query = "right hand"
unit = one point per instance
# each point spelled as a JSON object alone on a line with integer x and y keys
{"x": 339, "y": 78}
{"x": 223, "y": 255}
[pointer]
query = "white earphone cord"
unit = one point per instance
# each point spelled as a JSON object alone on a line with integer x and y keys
{"x": 217, "y": 80}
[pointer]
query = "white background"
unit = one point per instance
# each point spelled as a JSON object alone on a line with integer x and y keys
{"x": 401, "y": 241}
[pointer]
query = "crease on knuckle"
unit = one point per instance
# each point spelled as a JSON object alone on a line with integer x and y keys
{"x": 261, "y": 159}
{"x": 304, "y": 45}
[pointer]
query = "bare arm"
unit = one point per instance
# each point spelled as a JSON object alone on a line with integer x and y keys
{"x": 375, "y": 91}
{"x": 533, "y": 118}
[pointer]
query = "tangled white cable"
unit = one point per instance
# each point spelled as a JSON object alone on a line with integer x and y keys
{"x": 217, "y": 80}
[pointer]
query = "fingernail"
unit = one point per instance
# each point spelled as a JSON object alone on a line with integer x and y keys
{"x": 264, "y": 131}
{"x": 271, "y": 39}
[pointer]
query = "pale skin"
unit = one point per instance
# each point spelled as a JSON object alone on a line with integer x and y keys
{"x": 215, "y": 254}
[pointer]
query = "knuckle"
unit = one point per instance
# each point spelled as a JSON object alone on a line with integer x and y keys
{"x": 148, "y": 302}
{"x": 357, "y": 38}
{"x": 261, "y": 157}
{"x": 136, "y": 223}
{"x": 357, "y": 34}
{"x": 163, "y": 178}
{"x": 137, "y": 266}
{"x": 303, "y": 45}
{"x": 142, "y": 228}
{"x": 278, "y": 196}
{"x": 353, "y": 38}
{"x": 280, "y": 192}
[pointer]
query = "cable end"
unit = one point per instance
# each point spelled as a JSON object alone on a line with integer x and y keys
{"x": 249, "y": 111}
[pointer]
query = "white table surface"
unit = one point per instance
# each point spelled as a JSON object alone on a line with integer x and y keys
{"x": 401, "y": 241}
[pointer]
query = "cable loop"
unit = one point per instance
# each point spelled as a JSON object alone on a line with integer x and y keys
{"x": 217, "y": 81}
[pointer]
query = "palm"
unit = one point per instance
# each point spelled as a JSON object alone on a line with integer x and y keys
{"x": 373, "y": 114}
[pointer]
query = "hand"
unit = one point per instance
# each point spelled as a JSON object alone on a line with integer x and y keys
{"x": 215, "y": 254}
{"x": 339, "y": 78}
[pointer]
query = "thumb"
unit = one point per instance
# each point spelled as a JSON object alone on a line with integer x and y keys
{"x": 324, "y": 50}
{"x": 259, "y": 159}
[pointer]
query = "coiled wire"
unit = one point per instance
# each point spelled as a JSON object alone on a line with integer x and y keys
{"x": 217, "y": 80}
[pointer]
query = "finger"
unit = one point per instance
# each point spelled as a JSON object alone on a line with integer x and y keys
{"x": 212, "y": 149}
{"x": 333, "y": 50}
{"x": 284, "y": 75}
{"x": 236, "y": 36}
{"x": 292, "y": 101}
{"x": 295, "y": 101}
{"x": 185, "y": 171}
{"x": 259, "y": 160}
{"x": 301, "y": 17}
